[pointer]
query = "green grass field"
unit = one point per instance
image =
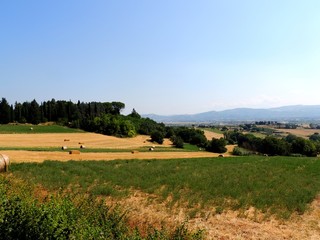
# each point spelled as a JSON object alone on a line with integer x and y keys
{"x": 277, "y": 186}
{"x": 7, "y": 128}
{"x": 215, "y": 130}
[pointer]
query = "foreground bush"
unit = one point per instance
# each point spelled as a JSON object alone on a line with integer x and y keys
{"x": 57, "y": 217}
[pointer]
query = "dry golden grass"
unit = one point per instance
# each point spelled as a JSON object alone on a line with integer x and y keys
{"x": 91, "y": 140}
{"x": 146, "y": 210}
{"x": 40, "y": 156}
{"x": 301, "y": 132}
{"x": 211, "y": 135}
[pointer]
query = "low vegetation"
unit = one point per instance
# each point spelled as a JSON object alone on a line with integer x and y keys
{"x": 277, "y": 186}
{"x": 60, "y": 216}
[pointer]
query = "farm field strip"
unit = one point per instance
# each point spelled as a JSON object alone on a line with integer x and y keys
{"x": 40, "y": 156}
{"x": 299, "y": 132}
{"x": 47, "y": 146}
{"x": 74, "y": 140}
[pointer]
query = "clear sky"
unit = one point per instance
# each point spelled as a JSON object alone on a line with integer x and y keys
{"x": 162, "y": 56}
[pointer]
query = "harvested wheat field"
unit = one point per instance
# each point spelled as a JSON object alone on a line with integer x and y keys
{"x": 18, "y": 156}
{"x": 74, "y": 140}
{"x": 90, "y": 140}
{"x": 301, "y": 132}
{"x": 209, "y": 135}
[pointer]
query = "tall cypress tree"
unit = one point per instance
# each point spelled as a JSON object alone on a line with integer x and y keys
{"x": 4, "y": 111}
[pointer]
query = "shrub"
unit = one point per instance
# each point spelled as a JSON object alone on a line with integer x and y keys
{"x": 177, "y": 141}
{"x": 241, "y": 152}
{"x": 217, "y": 145}
{"x": 157, "y": 136}
{"x": 68, "y": 217}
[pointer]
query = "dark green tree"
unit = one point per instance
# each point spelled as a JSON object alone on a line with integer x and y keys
{"x": 217, "y": 145}
{"x": 134, "y": 114}
{"x": 157, "y": 136}
{"x": 4, "y": 111}
{"x": 34, "y": 113}
{"x": 315, "y": 137}
{"x": 304, "y": 147}
{"x": 177, "y": 141}
{"x": 274, "y": 146}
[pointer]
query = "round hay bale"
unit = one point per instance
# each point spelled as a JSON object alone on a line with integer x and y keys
{"x": 64, "y": 147}
{"x": 151, "y": 149}
{"x": 4, "y": 163}
{"x": 83, "y": 146}
{"x": 74, "y": 152}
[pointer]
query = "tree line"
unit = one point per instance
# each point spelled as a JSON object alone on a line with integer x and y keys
{"x": 290, "y": 145}
{"x": 100, "y": 117}
{"x": 104, "y": 118}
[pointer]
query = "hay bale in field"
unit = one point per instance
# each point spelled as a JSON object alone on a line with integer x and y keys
{"x": 31, "y": 129}
{"x": 134, "y": 151}
{"x": 74, "y": 152}
{"x": 4, "y": 163}
{"x": 64, "y": 147}
{"x": 66, "y": 140}
{"x": 83, "y": 146}
{"x": 151, "y": 149}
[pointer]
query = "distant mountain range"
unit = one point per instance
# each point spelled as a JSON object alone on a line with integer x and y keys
{"x": 286, "y": 113}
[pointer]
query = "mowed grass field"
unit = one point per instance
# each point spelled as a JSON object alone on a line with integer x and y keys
{"x": 230, "y": 198}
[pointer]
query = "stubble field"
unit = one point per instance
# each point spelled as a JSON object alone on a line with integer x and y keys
{"x": 23, "y": 147}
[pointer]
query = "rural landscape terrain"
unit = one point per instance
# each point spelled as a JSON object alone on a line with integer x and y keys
{"x": 192, "y": 193}
{"x": 160, "y": 120}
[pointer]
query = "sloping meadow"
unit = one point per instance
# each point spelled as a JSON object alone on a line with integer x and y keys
{"x": 278, "y": 186}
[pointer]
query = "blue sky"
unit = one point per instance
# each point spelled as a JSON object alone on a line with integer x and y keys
{"x": 163, "y": 57}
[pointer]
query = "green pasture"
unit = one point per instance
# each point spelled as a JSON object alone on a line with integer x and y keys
{"x": 277, "y": 186}
{"x": 27, "y": 128}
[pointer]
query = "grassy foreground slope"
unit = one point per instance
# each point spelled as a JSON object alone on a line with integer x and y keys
{"x": 274, "y": 185}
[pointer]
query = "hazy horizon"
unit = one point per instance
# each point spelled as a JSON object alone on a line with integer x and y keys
{"x": 162, "y": 57}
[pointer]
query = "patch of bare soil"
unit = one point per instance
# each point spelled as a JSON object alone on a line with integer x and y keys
{"x": 144, "y": 210}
